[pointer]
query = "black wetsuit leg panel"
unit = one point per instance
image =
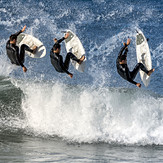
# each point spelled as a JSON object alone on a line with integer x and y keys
{"x": 22, "y": 51}
{"x": 68, "y": 57}
{"x": 136, "y": 70}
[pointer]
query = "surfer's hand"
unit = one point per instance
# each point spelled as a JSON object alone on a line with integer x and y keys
{"x": 71, "y": 75}
{"x": 138, "y": 85}
{"x": 128, "y": 41}
{"x": 23, "y": 28}
{"x": 55, "y": 40}
{"x": 24, "y": 69}
{"x": 66, "y": 35}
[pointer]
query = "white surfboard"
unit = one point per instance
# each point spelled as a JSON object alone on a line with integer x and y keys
{"x": 143, "y": 55}
{"x": 32, "y": 41}
{"x": 74, "y": 45}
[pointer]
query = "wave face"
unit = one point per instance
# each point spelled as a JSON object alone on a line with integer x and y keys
{"x": 95, "y": 106}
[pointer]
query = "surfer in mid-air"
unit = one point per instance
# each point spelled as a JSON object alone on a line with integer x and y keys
{"x": 13, "y": 50}
{"x": 57, "y": 59}
{"x": 123, "y": 69}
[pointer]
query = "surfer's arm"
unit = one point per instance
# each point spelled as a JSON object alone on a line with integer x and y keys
{"x": 124, "y": 47}
{"x": 59, "y": 41}
{"x": 63, "y": 38}
{"x": 17, "y": 33}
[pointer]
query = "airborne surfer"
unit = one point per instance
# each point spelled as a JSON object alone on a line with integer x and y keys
{"x": 13, "y": 50}
{"x": 123, "y": 69}
{"x": 57, "y": 59}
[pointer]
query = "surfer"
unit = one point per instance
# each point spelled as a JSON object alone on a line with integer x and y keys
{"x": 123, "y": 69}
{"x": 57, "y": 59}
{"x": 13, "y": 50}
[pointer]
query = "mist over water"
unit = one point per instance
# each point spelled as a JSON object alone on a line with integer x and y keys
{"x": 94, "y": 106}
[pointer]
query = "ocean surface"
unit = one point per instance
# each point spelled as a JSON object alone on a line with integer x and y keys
{"x": 96, "y": 116}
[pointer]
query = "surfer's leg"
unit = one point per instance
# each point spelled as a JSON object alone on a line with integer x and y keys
{"x": 68, "y": 57}
{"x": 25, "y": 47}
{"x": 22, "y": 51}
{"x": 136, "y": 70}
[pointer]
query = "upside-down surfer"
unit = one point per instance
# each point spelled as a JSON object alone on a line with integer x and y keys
{"x": 57, "y": 59}
{"x": 13, "y": 50}
{"x": 123, "y": 69}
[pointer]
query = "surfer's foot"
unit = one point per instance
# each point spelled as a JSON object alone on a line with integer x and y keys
{"x": 81, "y": 59}
{"x": 34, "y": 49}
{"x": 151, "y": 71}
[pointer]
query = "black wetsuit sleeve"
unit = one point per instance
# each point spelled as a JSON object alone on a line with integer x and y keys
{"x": 122, "y": 49}
{"x": 121, "y": 53}
{"x": 59, "y": 41}
{"x": 61, "y": 64}
{"x": 17, "y": 33}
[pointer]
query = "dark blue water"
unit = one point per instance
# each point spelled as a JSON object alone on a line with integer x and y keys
{"x": 92, "y": 116}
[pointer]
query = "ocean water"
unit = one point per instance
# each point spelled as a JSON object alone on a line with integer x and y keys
{"x": 96, "y": 116}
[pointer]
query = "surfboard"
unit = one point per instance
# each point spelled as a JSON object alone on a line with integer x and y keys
{"x": 32, "y": 41}
{"x": 74, "y": 45}
{"x": 143, "y": 55}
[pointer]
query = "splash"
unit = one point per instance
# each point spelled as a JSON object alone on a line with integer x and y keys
{"x": 81, "y": 114}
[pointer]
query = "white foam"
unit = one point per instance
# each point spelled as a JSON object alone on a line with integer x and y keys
{"x": 92, "y": 115}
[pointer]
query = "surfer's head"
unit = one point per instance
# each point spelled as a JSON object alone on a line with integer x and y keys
{"x": 13, "y": 39}
{"x": 123, "y": 59}
{"x": 56, "y": 47}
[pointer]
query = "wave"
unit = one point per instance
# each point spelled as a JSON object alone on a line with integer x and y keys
{"x": 84, "y": 114}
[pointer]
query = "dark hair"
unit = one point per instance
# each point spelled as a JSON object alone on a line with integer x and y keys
{"x": 122, "y": 57}
{"x": 56, "y": 46}
{"x": 13, "y": 37}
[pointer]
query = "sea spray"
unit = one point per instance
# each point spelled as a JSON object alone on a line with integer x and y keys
{"x": 82, "y": 114}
